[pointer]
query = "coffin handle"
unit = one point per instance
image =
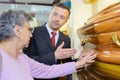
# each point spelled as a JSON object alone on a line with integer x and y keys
{"x": 84, "y": 41}
{"x": 115, "y": 39}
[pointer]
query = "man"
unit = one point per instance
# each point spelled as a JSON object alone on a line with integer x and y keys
{"x": 40, "y": 47}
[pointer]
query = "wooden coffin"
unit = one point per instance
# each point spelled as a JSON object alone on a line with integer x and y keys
{"x": 106, "y": 41}
{"x": 107, "y": 20}
{"x": 112, "y": 57}
{"x": 100, "y": 71}
{"x": 103, "y": 30}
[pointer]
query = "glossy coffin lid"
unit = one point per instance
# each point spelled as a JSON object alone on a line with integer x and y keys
{"x": 107, "y": 20}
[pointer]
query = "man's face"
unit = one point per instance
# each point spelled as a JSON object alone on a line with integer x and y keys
{"x": 58, "y": 17}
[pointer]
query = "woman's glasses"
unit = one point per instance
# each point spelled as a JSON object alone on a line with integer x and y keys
{"x": 31, "y": 30}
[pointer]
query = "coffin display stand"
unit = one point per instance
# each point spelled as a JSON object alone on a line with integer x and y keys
{"x": 103, "y": 31}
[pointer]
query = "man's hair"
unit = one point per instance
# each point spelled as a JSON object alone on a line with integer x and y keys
{"x": 62, "y": 5}
{"x": 9, "y": 19}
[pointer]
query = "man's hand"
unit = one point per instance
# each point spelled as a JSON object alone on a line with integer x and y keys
{"x": 63, "y": 53}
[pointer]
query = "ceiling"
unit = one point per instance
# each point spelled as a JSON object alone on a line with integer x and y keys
{"x": 35, "y": 2}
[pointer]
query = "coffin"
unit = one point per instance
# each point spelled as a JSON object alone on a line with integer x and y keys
{"x": 103, "y": 31}
{"x": 107, "y": 20}
{"x": 106, "y": 41}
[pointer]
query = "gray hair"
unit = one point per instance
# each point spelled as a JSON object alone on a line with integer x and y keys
{"x": 9, "y": 19}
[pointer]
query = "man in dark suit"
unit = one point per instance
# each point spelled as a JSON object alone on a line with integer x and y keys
{"x": 40, "y": 47}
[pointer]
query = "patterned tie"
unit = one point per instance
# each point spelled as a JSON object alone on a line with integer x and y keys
{"x": 53, "y": 39}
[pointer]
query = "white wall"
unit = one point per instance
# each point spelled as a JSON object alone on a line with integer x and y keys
{"x": 80, "y": 13}
{"x": 104, "y": 3}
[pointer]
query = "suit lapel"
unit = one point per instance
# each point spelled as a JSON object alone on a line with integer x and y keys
{"x": 46, "y": 37}
{"x": 59, "y": 40}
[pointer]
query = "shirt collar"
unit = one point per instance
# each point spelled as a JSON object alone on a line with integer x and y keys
{"x": 50, "y": 30}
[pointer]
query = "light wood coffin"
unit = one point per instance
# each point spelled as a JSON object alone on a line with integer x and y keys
{"x": 105, "y": 21}
{"x": 103, "y": 31}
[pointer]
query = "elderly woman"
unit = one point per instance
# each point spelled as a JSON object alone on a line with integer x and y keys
{"x": 15, "y": 33}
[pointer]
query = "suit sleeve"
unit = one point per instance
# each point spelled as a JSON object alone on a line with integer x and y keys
{"x": 48, "y": 59}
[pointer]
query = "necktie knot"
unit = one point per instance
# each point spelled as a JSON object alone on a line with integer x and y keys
{"x": 53, "y": 34}
{"x": 53, "y": 39}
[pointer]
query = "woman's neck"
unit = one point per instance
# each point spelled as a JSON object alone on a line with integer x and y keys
{"x": 9, "y": 48}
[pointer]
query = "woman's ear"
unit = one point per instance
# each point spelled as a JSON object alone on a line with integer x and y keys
{"x": 17, "y": 30}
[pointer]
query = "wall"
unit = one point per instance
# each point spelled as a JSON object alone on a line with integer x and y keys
{"x": 104, "y": 3}
{"x": 80, "y": 13}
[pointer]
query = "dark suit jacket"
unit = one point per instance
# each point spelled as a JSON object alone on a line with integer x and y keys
{"x": 40, "y": 47}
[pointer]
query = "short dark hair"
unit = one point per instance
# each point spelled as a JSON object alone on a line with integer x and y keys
{"x": 62, "y": 5}
{"x": 9, "y": 19}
